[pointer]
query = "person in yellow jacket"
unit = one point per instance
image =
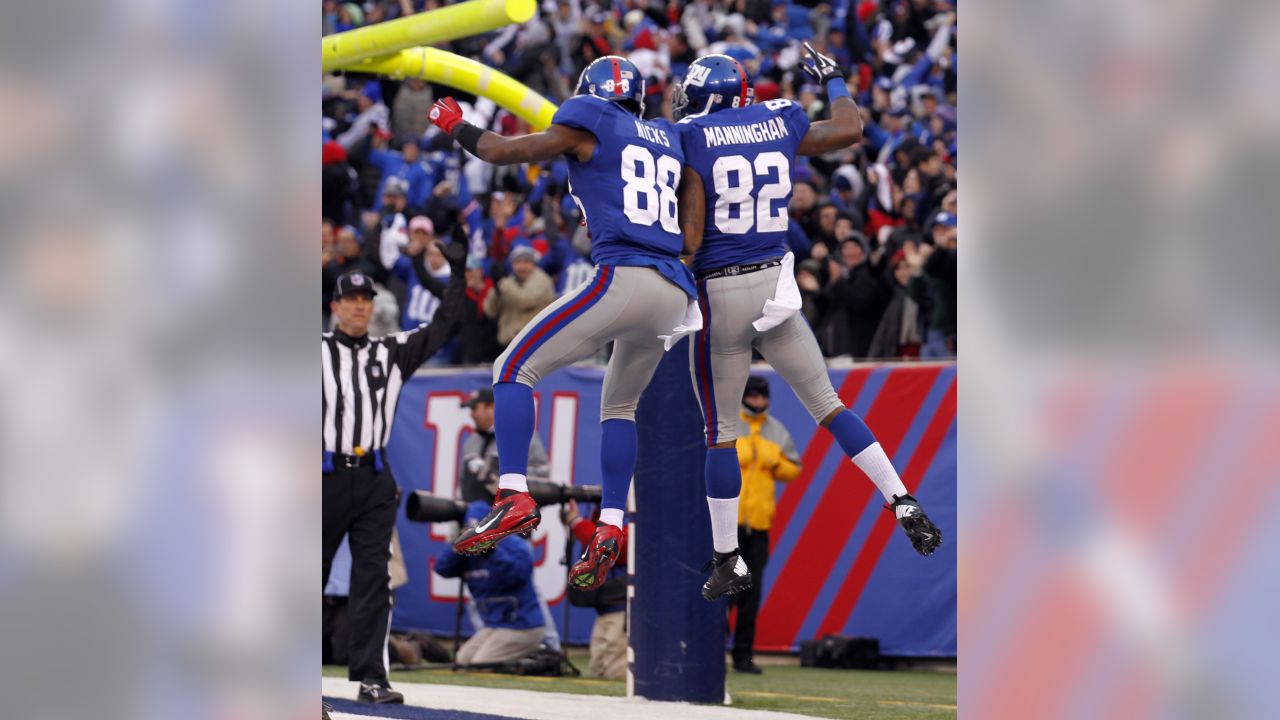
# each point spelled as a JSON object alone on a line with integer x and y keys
{"x": 766, "y": 454}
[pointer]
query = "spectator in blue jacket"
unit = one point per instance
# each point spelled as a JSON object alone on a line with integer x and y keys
{"x": 501, "y": 585}
{"x": 407, "y": 164}
{"x": 566, "y": 262}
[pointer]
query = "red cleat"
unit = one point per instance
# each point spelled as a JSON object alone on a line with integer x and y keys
{"x": 513, "y": 512}
{"x": 592, "y": 568}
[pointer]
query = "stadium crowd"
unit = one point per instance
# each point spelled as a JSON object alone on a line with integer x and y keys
{"x": 873, "y": 227}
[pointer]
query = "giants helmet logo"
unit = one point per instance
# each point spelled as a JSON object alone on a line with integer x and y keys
{"x": 698, "y": 75}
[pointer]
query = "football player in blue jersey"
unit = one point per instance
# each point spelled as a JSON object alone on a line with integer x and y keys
{"x": 625, "y": 175}
{"x": 741, "y": 156}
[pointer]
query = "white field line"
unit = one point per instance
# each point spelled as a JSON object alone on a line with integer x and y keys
{"x": 533, "y": 705}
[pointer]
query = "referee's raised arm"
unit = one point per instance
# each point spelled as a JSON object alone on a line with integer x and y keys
{"x": 415, "y": 346}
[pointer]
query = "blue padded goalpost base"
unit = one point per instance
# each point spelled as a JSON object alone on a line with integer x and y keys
{"x": 677, "y": 638}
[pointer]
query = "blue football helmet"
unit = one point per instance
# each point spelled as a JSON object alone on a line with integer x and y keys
{"x": 615, "y": 79}
{"x": 714, "y": 82}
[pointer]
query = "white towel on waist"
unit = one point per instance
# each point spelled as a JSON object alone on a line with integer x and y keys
{"x": 786, "y": 298}
{"x": 691, "y": 323}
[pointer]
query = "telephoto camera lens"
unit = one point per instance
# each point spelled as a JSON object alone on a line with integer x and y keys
{"x": 548, "y": 493}
{"x": 424, "y": 507}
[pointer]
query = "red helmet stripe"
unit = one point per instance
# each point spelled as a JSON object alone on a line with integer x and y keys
{"x": 617, "y": 76}
{"x": 742, "y": 97}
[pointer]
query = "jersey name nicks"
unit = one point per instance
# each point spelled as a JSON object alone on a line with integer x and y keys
{"x": 627, "y": 189}
{"x": 760, "y": 132}
{"x": 654, "y": 135}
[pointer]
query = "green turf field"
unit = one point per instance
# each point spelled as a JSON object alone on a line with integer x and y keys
{"x": 899, "y": 695}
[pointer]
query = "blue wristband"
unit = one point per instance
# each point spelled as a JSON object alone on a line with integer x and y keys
{"x": 837, "y": 89}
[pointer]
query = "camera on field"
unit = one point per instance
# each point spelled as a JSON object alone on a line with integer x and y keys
{"x": 549, "y": 493}
{"x": 422, "y": 506}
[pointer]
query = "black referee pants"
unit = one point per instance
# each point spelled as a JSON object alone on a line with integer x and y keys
{"x": 753, "y": 545}
{"x": 360, "y": 503}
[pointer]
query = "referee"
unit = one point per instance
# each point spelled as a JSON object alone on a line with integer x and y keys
{"x": 362, "y": 378}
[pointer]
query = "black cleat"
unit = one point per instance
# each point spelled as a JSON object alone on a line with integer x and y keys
{"x": 748, "y": 667}
{"x": 925, "y": 536}
{"x": 324, "y": 709}
{"x": 379, "y": 694}
{"x": 728, "y": 576}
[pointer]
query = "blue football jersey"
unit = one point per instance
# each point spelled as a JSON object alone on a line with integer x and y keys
{"x": 627, "y": 190}
{"x": 745, "y": 157}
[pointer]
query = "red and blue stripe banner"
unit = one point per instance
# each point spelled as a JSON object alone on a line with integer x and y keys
{"x": 838, "y": 562}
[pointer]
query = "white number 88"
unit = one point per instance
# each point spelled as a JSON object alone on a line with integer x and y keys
{"x": 656, "y": 182}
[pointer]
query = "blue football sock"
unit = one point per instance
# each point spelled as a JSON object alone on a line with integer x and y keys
{"x": 724, "y": 482}
{"x": 851, "y": 432}
{"x": 513, "y": 425}
{"x": 860, "y": 445}
{"x": 617, "y": 462}
{"x": 724, "y": 478}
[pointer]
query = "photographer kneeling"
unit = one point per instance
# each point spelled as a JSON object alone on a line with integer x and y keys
{"x": 501, "y": 585}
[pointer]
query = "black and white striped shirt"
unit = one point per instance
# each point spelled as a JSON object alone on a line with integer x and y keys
{"x": 362, "y": 378}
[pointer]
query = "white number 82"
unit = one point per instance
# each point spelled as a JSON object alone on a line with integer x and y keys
{"x": 749, "y": 211}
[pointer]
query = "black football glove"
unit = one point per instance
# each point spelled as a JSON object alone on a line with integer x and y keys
{"x": 456, "y": 252}
{"x": 459, "y": 235}
{"x": 820, "y": 67}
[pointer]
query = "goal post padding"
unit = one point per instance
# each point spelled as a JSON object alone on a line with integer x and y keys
{"x": 677, "y": 638}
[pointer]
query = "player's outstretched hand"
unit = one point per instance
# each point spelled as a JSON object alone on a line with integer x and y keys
{"x": 820, "y": 67}
{"x": 445, "y": 114}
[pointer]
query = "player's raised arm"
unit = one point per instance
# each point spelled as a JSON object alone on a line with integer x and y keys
{"x": 498, "y": 150}
{"x": 693, "y": 209}
{"x": 845, "y": 126}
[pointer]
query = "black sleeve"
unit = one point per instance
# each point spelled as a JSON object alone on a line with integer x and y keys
{"x": 838, "y": 293}
{"x": 862, "y": 294}
{"x": 371, "y": 264}
{"x": 429, "y": 282}
{"x": 414, "y": 347}
{"x": 918, "y": 290}
{"x": 935, "y": 265}
{"x": 857, "y": 292}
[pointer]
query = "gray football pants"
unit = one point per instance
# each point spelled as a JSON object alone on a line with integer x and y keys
{"x": 720, "y": 354}
{"x": 630, "y": 306}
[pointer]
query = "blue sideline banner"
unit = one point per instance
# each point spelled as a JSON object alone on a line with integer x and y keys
{"x": 424, "y": 454}
{"x": 850, "y": 573}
